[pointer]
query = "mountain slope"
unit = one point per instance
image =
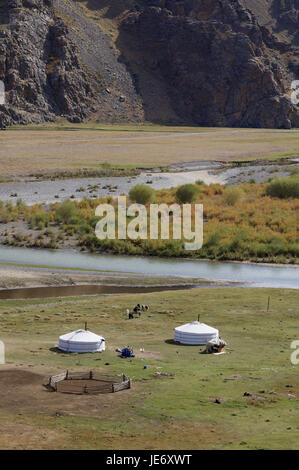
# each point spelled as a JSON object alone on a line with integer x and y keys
{"x": 204, "y": 62}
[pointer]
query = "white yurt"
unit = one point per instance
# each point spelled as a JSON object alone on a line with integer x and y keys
{"x": 195, "y": 333}
{"x": 81, "y": 341}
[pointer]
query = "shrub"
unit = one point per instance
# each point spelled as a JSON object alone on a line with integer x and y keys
{"x": 186, "y": 193}
{"x": 284, "y": 188}
{"x": 199, "y": 182}
{"x": 20, "y": 203}
{"x": 84, "y": 228}
{"x": 294, "y": 171}
{"x": 141, "y": 194}
{"x": 217, "y": 188}
{"x": 232, "y": 195}
{"x": 214, "y": 239}
{"x": 39, "y": 220}
{"x": 66, "y": 211}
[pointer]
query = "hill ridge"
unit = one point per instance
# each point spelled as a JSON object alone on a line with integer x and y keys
{"x": 202, "y": 62}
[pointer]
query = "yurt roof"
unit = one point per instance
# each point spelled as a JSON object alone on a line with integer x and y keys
{"x": 81, "y": 336}
{"x": 196, "y": 327}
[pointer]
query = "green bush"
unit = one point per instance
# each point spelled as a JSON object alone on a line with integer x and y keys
{"x": 232, "y": 195}
{"x": 186, "y": 193}
{"x": 141, "y": 194}
{"x": 213, "y": 240}
{"x": 294, "y": 171}
{"x": 84, "y": 228}
{"x": 284, "y": 187}
{"x": 66, "y": 212}
{"x": 39, "y": 220}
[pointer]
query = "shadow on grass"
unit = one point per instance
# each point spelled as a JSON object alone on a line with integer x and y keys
{"x": 174, "y": 343}
{"x": 71, "y": 353}
{"x": 59, "y": 351}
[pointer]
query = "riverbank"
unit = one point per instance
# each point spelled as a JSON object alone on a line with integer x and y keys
{"x": 21, "y": 276}
{"x": 51, "y": 187}
{"x": 243, "y": 223}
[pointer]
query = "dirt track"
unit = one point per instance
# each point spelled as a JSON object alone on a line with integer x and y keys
{"x": 25, "y": 390}
{"x": 25, "y": 396}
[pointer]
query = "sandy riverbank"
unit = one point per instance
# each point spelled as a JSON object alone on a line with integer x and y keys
{"x": 33, "y": 191}
{"x": 13, "y": 277}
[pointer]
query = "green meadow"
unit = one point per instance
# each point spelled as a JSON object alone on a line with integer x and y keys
{"x": 200, "y": 405}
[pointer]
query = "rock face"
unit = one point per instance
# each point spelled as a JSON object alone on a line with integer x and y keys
{"x": 45, "y": 77}
{"x": 214, "y": 58}
{"x": 40, "y": 68}
{"x": 205, "y": 62}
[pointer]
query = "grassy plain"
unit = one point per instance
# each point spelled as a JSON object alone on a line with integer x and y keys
{"x": 177, "y": 411}
{"x": 65, "y": 146}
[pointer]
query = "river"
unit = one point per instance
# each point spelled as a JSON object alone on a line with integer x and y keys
{"x": 254, "y": 274}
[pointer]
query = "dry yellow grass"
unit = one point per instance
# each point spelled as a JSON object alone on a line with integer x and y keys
{"x": 48, "y": 148}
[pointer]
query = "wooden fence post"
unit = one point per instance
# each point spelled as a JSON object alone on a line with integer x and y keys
{"x": 268, "y": 306}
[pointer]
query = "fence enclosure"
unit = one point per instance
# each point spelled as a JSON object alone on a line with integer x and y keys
{"x": 91, "y": 383}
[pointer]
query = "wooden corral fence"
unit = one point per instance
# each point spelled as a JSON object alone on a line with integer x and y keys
{"x": 55, "y": 379}
{"x": 88, "y": 382}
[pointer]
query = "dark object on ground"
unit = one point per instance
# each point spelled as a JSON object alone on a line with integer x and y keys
{"x": 127, "y": 352}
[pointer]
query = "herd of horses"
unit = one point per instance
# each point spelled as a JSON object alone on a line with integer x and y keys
{"x": 137, "y": 311}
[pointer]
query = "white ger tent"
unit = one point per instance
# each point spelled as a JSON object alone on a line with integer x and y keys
{"x": 81, "y": 341}
{"x": 195, "y": 333}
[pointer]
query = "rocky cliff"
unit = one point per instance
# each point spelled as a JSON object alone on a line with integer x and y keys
{"x": 205, "y": 62}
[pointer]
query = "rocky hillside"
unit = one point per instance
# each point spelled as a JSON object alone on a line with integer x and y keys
{"x": 206, "y": 62}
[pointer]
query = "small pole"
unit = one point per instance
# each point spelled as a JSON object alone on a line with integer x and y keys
{"x": 86, "y": 326}
{"x": 198, "y": 317}
{"x": 268, "y": 306}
